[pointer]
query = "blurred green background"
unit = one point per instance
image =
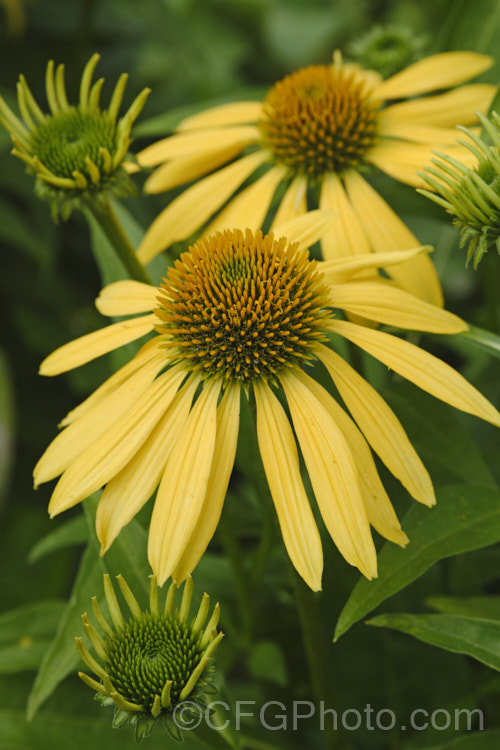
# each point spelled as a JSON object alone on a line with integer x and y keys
{"x": 193, "y": 53}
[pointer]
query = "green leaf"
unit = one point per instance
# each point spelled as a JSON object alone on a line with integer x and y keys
{"x": 465, "y": 518}
{"x": 489, "y": 740}
{"x": 485, "y": 607}
{"x": 430, "y": 423}
{"x": 25, "y": 635}
{"x": 481, "y": 339}
{"x": 62, "y": 657}
{"x": 51, "y": 732}
{"x": 67, "y": 534}
{"x": 266, "y": 662}
{"x": 110, "y": 266}
{"x": 463, "y": 635}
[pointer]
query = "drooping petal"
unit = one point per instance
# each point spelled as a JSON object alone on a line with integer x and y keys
{"x": 187, "y": 168}
{"x": 236, "y": 113}
{"x": 150, "y": 350}
{"x": 109, "y": 454}
{"x": 347, "y": 236}
{"x": 378, "y": 506}
{"x": 281, "y": 464}
{"x": 83, "y": 432}
{"x": 228, "y": 418}
{"x": 126, "y": 298}
{"x": 385, "y": 231}
{"x": 189, "y": 144}
{"x": 423, "y": 369}
{"x": 92, "y": 345}
{"x": 440, "y": 71}
{"x": 380, "y": 426}
{"x": 132, "y": 487}
{"x": 334, "y": 476}
{"x": 402, "y": 160}
{"x": 195, "y": 205}
{"x": 342, "y": 269}
{"x": 384, "y": 303}
{"x": 183, "y": 486}
{"x": 445, "y": 110}
{"x": 250, "y": 207}
{"x": 307, "y": 228}
{"x": 293, "y": 203}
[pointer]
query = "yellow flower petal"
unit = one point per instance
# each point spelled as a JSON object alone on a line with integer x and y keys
{"x": 378, "y": 506}
{"x": 179, "y": 171}
{"x": 190, "y": 144}
{"x": 293, "y": 203}
{"x": 249, "y": 208}
{"x": 235, "y": 113}
{"x": 195, "y": 205}
{"x": 445, "y": 110}
{"x": 228, "y": 418}
{"x": 334, "y": 476}
{"x": 385, "y": 231}
{"x": 109, "y": 454}
{"x": 422, "y": 368}
{"x": 132, "y": 487}
{"x": 183, "y": 486}
{"x": 341, "y": 269}
{"x": 127, "y": 298}
{"x": 440, "y": 71}
{"x": 95, "y": 344}
{"x": 83, "y": 432}
{"x": 151, "y": 349}
{"x": 306, "y": 229}
{"x": 402, "y": 160}
{"x": 347, "y": 236}
{"x": 392, "y": 126}
{"x": 281, "y": 465}
{"x": 380, "y": 426}
{"x": 384, "y": 303}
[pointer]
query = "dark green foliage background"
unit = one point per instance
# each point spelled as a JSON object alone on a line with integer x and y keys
{"x": 193, "y": 53}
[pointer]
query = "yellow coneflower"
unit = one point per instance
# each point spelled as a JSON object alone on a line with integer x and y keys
{"x": 317, "y": 133}
{"x": 244, "y": 314}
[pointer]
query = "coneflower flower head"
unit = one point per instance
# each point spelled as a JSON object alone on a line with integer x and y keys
{"x": 471, "y": 196}
{"x": 388, "y": 49}
{"x": 75, "y": 151}
{"x": 152, "y": 661}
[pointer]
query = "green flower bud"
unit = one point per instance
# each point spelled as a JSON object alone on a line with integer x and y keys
{"x": 151, "y": 662}
{"x": 388, "y": 49}
{"x": 471, "y": 196}
{"x": 77, "y": 151}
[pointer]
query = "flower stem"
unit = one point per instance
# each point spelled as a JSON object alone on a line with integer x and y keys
{"x": 314, "y": 642}
{"x": 104, "y": 214}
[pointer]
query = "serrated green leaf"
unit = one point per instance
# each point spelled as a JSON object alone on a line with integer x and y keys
{"x": 465, "y": 518}
{"x": 463, "y": 635}
{"x": 68, "y": 534}
{"x": 485, "y": 607}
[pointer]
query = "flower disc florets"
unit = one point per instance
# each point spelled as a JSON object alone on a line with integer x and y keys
{"x": 150, "y": 663}
{"x": 243, "y": 306}
{"x": 74, "y": 150}
{"x": 320, "y": 119}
